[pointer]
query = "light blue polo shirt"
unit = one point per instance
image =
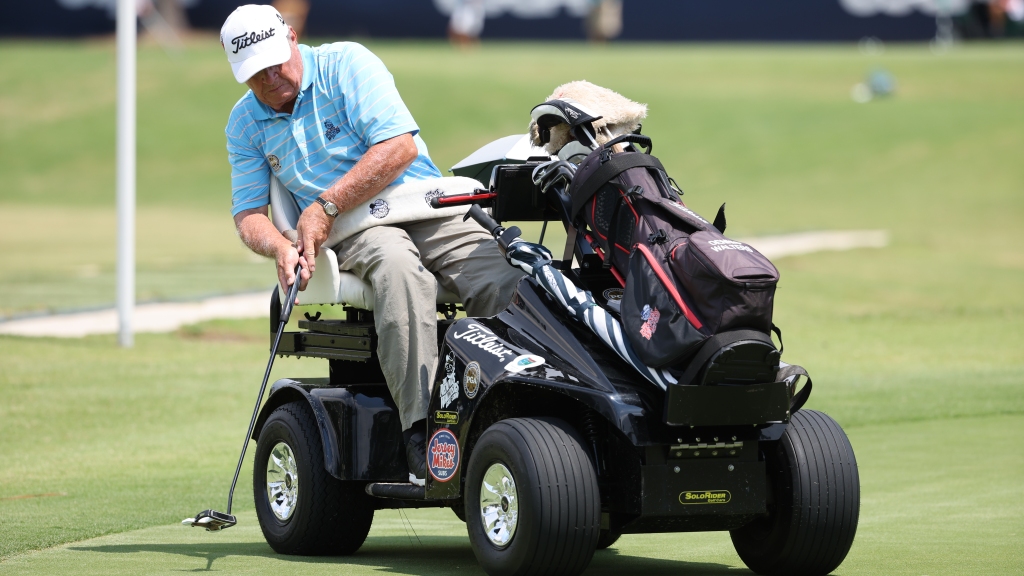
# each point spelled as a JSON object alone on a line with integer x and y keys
{"x": 348, "y": 103}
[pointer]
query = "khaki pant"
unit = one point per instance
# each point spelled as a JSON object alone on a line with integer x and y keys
{"x": 403, "y": 263}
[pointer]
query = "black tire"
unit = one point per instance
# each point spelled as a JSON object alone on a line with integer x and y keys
{"x": 329, "y": 517}
{"x": 606, "y": 539}
{"x": 814, "y": 502}
{"x": 558, "y": 498}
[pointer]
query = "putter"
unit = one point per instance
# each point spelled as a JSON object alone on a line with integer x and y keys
{"x": 213, "y": 520}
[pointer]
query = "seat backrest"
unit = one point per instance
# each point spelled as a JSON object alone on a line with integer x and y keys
{"x": 284, "y": 211}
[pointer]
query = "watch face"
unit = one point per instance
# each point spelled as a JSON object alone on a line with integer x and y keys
{"x": 330, "y": 208}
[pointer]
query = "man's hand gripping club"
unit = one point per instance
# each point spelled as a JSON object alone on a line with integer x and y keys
{"x": 287, "y": 260}
{"x": 380, "y": 165}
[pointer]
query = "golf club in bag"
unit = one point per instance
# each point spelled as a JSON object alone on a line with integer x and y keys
{"x": 211, "y": 519}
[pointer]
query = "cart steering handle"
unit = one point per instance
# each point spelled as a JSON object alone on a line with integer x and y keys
{"x": 504, "y": 236}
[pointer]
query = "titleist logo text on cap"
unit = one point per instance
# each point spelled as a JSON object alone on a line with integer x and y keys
{"x": 245, "y": 40}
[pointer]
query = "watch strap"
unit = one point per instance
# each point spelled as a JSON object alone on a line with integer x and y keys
{"x": 325, "y": 204}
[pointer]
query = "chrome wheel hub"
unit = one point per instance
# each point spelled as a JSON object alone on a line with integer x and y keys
{"x": 282, "y": 481}
{"x": 499, "y": 505}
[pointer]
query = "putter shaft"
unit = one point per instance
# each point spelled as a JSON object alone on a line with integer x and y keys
{"x": 286, "y": 311}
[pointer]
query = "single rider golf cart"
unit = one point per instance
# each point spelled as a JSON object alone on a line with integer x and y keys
{"x": 544, "y": 439}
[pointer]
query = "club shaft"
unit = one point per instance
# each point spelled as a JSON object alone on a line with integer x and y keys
{"x": 255, "y": 412}
{"x": 286, "y": 311}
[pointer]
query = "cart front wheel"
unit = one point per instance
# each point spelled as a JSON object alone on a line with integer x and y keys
{"x": 532, "y": 500}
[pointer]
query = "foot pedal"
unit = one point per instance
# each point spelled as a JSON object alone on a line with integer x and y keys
{"x": 211, "y": 520}
{"x": 396, "y": 491}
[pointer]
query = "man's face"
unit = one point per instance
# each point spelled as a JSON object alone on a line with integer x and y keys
{"x": 278, "y": 86}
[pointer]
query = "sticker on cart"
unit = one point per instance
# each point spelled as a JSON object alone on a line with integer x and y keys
{"x": 613, "y": 294}
{"x": 471, "y": 379}
{"x": 443, "y": 455}
{"x": 523, "y": 362}
{"x": 705, "y": 497}
{"x": 446, "y": 417}
{"x": 449, "y": 387}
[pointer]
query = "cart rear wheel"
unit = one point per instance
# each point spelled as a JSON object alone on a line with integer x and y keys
{"x": 532, "y": 500}
{"x": 814, "y": 502}
{"x": 302, "y": 509}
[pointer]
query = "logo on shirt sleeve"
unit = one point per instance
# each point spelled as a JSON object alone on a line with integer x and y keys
{"x": 330, "y": 130}
{"x": 274, "y": 162}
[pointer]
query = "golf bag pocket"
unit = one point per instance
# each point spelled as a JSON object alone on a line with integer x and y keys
{"x": 659, "y": 323}
{"x": 730, "y": 284}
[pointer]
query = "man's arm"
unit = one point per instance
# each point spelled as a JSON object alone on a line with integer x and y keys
{"x": 259, "y": 234}
{"x": 382, "y": 164}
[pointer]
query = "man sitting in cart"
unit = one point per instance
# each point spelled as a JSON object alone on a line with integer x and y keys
{"x": 329, "y": 123}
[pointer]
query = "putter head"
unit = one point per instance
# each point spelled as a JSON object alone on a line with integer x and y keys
{"x": 211, "y": 520}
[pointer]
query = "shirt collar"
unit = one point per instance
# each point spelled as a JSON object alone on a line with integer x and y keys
{"x": 263, "y": 112}
{"x": 308, "y": 66}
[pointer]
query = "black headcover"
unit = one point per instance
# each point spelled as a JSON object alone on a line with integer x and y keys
{"x": 558, "y": 111}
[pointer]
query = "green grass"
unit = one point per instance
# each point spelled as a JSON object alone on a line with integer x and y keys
{"x": 915, "y": 348}
{"x": 770, "y": 130}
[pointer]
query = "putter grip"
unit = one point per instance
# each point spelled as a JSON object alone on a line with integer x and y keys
{"x": 293, "y": 292}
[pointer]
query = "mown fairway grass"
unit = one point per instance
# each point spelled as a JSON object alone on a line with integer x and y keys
{"x": 916, "y": 348}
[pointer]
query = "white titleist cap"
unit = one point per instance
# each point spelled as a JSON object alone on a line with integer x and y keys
{"x": 254, "y": 37}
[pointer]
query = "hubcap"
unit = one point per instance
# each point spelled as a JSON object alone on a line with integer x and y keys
{"x": 282, "y": 481}
{"x": 499, "y": 505}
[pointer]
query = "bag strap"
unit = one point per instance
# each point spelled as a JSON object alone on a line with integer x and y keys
{"x": 716, "y": 343}
{"x": 778, "y": 332}
{"x": 613, "y": 222}
{"x": 799, "y": 398}
{"x": 613, "y": 167}
{"x": 613, "y": 231}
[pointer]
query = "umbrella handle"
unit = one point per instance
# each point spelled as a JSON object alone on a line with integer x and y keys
{"x": 479, "y": 196}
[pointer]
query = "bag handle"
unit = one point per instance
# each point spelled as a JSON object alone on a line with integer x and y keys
{"x": 640, "y": 139}
{"x": 799, "y": 398}
{"x": 778, "y": 332}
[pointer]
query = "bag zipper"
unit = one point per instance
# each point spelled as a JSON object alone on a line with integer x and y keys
{"x": 666, "y": 282}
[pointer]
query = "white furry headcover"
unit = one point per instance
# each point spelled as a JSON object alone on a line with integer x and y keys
{"x": 620, "y": 115}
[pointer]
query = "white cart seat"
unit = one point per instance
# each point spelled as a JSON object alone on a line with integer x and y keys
{"x": 332, "y": 286}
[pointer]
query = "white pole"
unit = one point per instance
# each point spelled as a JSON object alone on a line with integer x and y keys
{"x": 126, "y": 25}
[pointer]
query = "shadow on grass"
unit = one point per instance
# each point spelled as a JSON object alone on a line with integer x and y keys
{"x": 440, "y": 555}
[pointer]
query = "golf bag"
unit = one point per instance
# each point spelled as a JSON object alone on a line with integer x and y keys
{"x": 685, "y": 281}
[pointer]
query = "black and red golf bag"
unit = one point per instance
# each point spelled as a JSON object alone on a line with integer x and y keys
{"x": 685, "y": 282}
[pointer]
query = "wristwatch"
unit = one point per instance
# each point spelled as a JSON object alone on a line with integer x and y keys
{"x": 330, "y": 208}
